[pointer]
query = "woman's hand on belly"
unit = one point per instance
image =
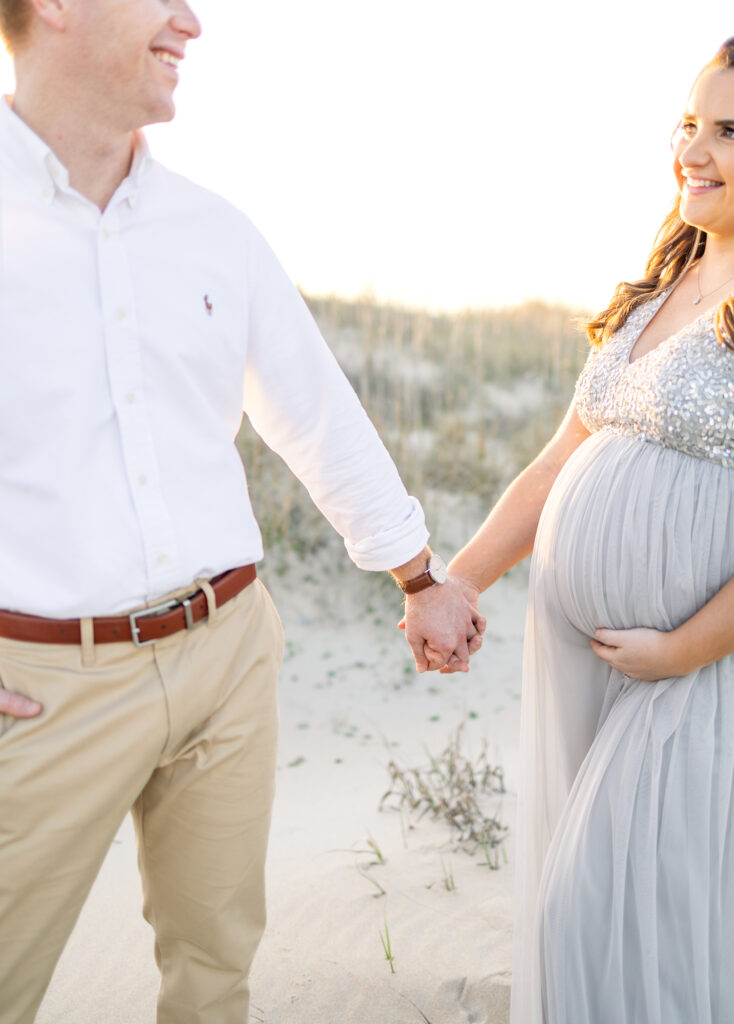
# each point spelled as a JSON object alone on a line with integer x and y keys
{"x": 651, "y": 654}
{"x": 648, "y": 654}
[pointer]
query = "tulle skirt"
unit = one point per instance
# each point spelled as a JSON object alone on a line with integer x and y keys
{"x": 625, "y": 873}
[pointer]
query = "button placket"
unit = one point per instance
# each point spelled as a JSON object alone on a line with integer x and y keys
{"x": 122, "y": 343}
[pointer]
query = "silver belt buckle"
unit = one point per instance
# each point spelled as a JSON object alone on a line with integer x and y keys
{"x": 156, "y": 609}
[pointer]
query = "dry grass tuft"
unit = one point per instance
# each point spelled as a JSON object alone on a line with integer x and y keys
{"x": 456, "y": 788}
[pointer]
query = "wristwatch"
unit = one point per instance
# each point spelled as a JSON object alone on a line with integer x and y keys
{"x": 434, "y": 573}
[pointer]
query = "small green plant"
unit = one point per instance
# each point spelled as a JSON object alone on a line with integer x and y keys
{"x": 372, "y": 843}
{"x": 385, "y": 940}
{"x": 492, "y": 861}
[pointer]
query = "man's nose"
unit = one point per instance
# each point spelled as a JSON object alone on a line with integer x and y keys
{"x": 185, "y": 21}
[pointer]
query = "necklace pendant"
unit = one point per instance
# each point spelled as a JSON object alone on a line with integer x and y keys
{"x": 696, "y": 301}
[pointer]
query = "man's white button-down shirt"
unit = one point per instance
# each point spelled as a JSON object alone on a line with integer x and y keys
{"x": 130, "y": 342}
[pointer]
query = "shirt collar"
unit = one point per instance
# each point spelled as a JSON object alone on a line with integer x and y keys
{"x": 141, "y": 164}
{"x": 23, "y": 156}
{"x": 26, "y": 157}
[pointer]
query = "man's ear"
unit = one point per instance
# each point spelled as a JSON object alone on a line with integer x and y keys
{"x": 53, "y": 12}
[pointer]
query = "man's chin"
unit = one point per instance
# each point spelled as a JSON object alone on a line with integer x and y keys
{"x": 159, "y": 115}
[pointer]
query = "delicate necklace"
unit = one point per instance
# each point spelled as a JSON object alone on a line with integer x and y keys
{"x": 698, "y": 286}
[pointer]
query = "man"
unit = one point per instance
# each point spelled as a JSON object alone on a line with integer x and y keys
{"x": 138, "y": 653}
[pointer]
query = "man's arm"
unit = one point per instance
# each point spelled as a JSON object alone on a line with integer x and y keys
{"x": 300, "y": 402}
{"x": 302, "y": 405}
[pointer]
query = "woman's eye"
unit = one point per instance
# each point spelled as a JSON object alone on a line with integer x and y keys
{"x": 727, "y": 131}
{"x": 684, "y": 129}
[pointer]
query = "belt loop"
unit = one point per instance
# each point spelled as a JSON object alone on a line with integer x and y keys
{"x": 211, "y": 599}
{"x": 89, "y": 653}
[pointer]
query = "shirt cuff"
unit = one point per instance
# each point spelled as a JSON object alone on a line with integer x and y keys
{"x": 391, "y": 548}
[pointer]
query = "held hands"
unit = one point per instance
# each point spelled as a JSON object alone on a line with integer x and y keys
{"x": 443, "y": 626}
{"x": 642, "y": 653}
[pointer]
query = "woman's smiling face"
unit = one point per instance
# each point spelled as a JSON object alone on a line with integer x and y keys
{"x": 703, "y": 152}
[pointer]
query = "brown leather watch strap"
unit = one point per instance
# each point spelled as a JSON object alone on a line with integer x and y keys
{"x": 418, "y": 583}
{"x": 141, "y": 627}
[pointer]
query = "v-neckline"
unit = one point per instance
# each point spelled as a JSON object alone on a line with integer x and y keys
{"x": 663, "y": 296}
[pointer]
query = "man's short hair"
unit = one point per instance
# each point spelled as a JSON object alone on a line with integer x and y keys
{"x": 15, "y": 19}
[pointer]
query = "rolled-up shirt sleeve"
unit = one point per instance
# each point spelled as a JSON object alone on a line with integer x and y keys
{"x": 302, "y": 405}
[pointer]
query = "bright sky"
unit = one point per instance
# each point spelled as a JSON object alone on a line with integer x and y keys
{"x": 448, "y": 154}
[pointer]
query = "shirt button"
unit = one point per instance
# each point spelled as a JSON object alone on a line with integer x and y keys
{"x": 162, "y": 559}
{"x": 47, "y": 193}
{"x": 130, "y": 398}
{"x": 121, "y": 314}
{"x": 106, "y": 234}
{"x": 142, "y": 480}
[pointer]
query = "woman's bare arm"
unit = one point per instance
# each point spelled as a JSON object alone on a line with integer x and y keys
{"x": 508, "y": 533}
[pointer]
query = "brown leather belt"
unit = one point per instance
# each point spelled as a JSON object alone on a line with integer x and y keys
{"x": 142, "y": 627}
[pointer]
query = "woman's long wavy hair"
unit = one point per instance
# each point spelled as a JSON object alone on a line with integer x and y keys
{"x": 677, "y": 246}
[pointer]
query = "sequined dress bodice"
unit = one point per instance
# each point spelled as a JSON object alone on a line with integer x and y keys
{"x": 679, "y": 395}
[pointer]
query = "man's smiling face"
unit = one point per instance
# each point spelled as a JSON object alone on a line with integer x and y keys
{"x": 125, "y": 56}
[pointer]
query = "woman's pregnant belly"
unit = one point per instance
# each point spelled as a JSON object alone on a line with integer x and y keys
{"x": 634, "y": 534}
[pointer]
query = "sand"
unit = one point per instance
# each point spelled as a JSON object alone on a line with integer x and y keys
{"x": 350, "y": 702}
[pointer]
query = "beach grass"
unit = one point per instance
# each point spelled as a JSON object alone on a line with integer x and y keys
{"x": 456, "y": 788}
{"x": 462, "y": 401}
{"x": 387, "y": 948}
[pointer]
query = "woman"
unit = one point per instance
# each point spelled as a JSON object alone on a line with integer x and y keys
{"x": 626, "y": 841}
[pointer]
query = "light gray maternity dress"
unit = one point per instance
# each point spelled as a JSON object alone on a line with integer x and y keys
{"x": 625, "y": 891}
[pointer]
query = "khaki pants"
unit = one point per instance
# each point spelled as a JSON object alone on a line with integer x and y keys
{"x": 185, "y": 733}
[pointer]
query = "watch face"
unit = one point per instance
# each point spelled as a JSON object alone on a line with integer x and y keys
{"x": 437, "y": 569}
